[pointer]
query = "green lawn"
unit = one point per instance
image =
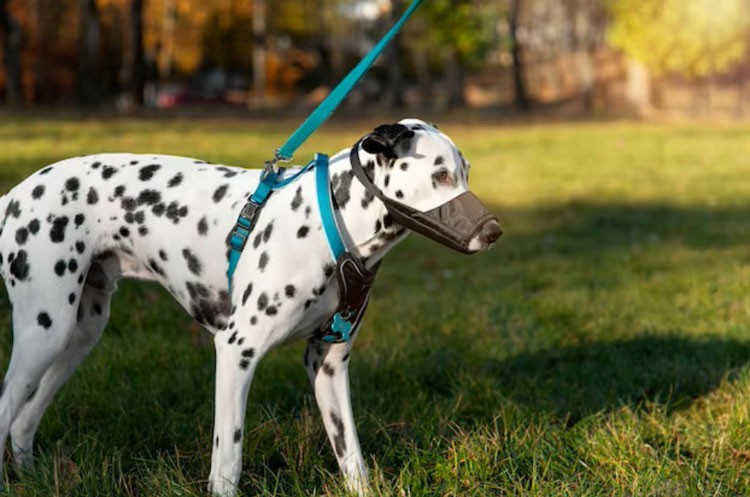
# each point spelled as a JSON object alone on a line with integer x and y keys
{"x": 602, "y": 348}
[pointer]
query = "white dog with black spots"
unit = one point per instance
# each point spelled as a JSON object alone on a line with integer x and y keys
{"x": 73, "y": 229}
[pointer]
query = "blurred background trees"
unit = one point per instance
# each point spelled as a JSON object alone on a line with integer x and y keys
{"x": 509, "y": 55}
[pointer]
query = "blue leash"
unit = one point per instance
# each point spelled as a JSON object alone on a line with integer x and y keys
{"x": 334, "y": 99}
{"x": 271, "y": 179}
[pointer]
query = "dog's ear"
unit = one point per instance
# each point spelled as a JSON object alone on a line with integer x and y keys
{"x": 384, "y": 138}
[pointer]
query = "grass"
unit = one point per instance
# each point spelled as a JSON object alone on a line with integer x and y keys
{"x": 602, "y": 348}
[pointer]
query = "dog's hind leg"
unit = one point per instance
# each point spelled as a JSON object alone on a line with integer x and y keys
{"x": 42, "y": 326}
{"x": 92, "y": 316}
{"x": 327, "y": 367}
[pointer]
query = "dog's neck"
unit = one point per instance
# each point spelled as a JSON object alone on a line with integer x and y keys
{"x": 368, "y": 231}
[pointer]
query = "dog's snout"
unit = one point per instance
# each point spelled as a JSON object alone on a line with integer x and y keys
{"x": 491, "y": 232}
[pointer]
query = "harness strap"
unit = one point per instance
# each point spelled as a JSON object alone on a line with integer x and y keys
{"x": 239, "y": 235}
{"x": 354, "y": 280}
{"x": 325, "y": 204}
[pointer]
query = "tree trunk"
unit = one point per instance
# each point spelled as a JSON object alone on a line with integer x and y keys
{"x": 166, "y": 55}
{"x": 259, "y": 53}
{"x": 638, "y": 88}
{"x": 137, "y": 74}
{"x": 455, "y": 77}
{"x": 88, "y": 78}
{"x": 521, "y": 98}
{"x": 394, "y": 92}
{"x": 424, "y": 81}
{"x": 12, "y": 41}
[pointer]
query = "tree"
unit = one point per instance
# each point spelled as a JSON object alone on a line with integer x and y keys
{"x": 12, "y": 41}
{"x": 520, "y": 96}
{"x": 137, "y": 76}
{"x": 457, "y": 34}
{"x": 87, "y": 80}
{"x": 698, "y": 38}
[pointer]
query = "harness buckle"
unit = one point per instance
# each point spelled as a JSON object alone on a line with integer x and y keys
{"x": 244, "y": 224}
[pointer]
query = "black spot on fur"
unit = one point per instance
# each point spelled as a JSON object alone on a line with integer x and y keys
{"x": 92, "y": 197}
{"x": 387, "y": 180}
{"x": 302, "y": 232}
{"x": 249, "y": 353}
{"x": 194, "y": 264}
{"x": 297, "y": 200}
{"x": 176, "y": 180}
{"x": 290, "y": 291}
{"x": 258, "y": 238}
{"x": 22, "y": 234}
{"x": 57, "y": 233}
{"x": 320, "y": 290}
{"x": 247, "y": 293}
{"x": 79, "y": 219}
{"x": 262, "y": 301}
{"x": 244, "y": 363}
{"x": 159, "y": 209}
{"x": 399, "y": 194}
{"x": 72, "y": 265}
{"x": 129, "y": 204}
{"x": 308, "y": 303}
{"x": 72, "y": 184}
{"x": 149, "y": 197}
{"x": 439, "y": 160}
{"x": 272, "y": 311}
{"x": 387, "y": 221}
{"x": 327, "y": 369}
{"x": 119, "y": 191}
{"x": 155, "y": 267}
{"x": 19, "y": 266}
{"x": 96, "y": 165}
{"x": 237, "y": 435}
{"x": 60, "y": 267}
{"x": 44, "y": 320}
{"x": 71, "y": 298}
{"x": 96, "y": 309}
{"x": 267, "y": 232}
{"x": 203, "y": 226}
{"x": 139, "y": 217}
{"x": 45, "y": 170}
{"x": 378, "y": 225}
{"x": 232, "y": 338}
{"x": 253, "y": 320}
{"x": 219, "y": 193}
{"x": 37, "y": 192}
{"x": 162, "y": 255}
{"x": 338, "y": 438}
{"x": 13, "y": 209}
{"x": 263, "y": 261}
{"x": 142, "y": 230}
{"x": 147, "y": 172}
{"x": 34, "y": 226}
{"x": 328, "y": 270}
{"x": 404, "y": 166}
{"x": 108, "y": 172}
{"x": 124, "y": 232}
{"x": 368, "y": 198}
{"x": 341, "y": 185}
{"x": 345, "y": 358}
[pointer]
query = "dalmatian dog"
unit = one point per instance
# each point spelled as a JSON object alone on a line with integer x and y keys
{"x": 71, "y": 230}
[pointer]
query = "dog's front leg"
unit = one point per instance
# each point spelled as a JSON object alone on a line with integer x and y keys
{"x": 327, "y": 367}
{"x": 235, "y": 365}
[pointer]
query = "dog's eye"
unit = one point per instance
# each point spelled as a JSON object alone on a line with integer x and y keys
{"x": 442, "y": 177}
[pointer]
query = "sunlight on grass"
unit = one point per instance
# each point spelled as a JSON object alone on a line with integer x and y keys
{"x": 600, "y": 349}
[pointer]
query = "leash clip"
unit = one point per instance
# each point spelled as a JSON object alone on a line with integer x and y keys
{"x": 270, "y": 166}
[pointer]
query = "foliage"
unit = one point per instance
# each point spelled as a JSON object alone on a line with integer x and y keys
{"x": 696, "y": 37}
{"x": 601, "y": 349}
{"x": 464, "y": 26}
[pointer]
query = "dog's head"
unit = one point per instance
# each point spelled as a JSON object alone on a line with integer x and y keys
{"x": 425, "y": 180}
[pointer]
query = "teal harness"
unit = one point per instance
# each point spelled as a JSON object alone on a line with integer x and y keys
{"x": 339, "y": 327}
